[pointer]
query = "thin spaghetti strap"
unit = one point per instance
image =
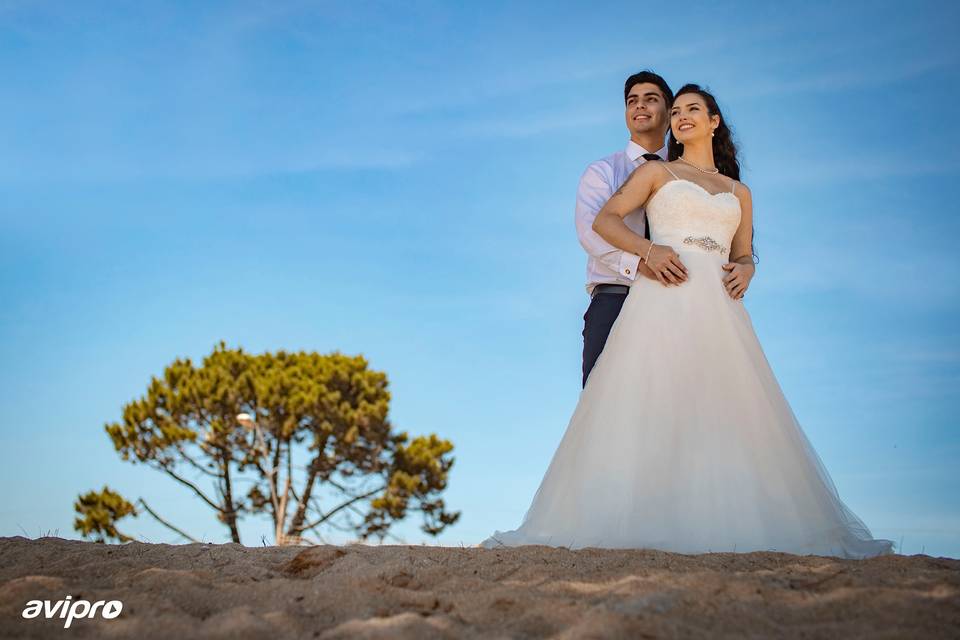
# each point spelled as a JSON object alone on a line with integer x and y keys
{"x": 668, "y": 169}
{"x": 733, "y": 185}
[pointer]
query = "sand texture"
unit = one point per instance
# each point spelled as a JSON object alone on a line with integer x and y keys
{"x": 359, "y": 591}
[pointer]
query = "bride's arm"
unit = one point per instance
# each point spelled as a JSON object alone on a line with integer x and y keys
{"x": 741, "y": 267}
{"x": 609, "y": 224}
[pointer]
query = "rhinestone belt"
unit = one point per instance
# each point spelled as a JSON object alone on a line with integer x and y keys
{"x": 705, "y": 242}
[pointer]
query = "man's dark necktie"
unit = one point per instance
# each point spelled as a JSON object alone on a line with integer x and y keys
{"x": 646, "y": 227}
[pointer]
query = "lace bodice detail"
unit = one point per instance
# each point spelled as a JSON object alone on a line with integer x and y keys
{"x": 684, "y": 215}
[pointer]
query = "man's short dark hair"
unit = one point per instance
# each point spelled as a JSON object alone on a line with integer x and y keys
{"x": 652, "y": 78}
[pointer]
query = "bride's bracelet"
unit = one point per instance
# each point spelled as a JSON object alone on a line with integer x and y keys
{"x": 647, "y": 257}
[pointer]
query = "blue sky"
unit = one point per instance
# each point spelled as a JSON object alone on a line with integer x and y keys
{"x": 399, "y": 181}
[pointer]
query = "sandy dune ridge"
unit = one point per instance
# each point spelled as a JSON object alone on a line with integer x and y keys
{"x": 400, "y": 591}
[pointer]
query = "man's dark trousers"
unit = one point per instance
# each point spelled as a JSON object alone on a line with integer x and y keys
{"x": 597, "y": 321}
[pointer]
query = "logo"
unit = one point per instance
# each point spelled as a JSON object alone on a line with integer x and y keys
{"x": 72, "y": 610}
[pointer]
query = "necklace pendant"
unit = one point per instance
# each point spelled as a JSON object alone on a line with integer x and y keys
{"x": 714, "y": 170}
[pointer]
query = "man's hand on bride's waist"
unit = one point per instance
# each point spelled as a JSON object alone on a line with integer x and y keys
{"x": 665, "y": 264}
{"x": 738, "y": 278}
{"x": 647, "y": 272}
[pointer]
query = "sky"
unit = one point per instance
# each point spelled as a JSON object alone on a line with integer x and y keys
{"x": 397, "y": 180}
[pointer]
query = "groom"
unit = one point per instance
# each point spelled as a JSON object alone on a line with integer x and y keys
{"x": 647, "y": 99}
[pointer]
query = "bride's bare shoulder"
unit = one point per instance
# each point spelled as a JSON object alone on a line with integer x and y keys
{"x": 652, "y": 168}
{"x": 742, "y": 191}
{"x": 661, "y": 173}
{"x": 647, "y": 176}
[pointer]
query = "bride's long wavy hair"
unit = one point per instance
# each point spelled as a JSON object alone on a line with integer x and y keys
{"x": 724, "y": 149}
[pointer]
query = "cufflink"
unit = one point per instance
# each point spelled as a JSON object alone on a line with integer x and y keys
{"x": 627, "y": 271}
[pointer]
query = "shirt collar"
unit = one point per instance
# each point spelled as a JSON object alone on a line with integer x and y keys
{"x": 634, "y": 151}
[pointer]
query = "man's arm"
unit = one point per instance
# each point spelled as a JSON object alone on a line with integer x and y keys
{"x": 662, "y": 260}
{"x": 593, "y": 192}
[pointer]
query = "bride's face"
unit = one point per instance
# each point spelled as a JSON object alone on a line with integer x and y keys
{"x": 690, "y": 120}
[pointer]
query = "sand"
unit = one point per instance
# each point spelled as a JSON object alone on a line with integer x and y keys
{"x": 399, "y": 591}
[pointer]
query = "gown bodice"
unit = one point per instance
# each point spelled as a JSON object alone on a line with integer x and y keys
{"x": 684, "y": 215}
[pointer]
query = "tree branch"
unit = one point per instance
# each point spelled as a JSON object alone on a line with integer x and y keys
{"x": 164, "y": 522}
{"x": 192, "y": 486}
{"x": 340, "y": 507}
{"x": 194, "y": 463}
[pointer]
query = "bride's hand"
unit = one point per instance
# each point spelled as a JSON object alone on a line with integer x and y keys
{"x": 737, "y": 281}
{"x": 666, "y": 264}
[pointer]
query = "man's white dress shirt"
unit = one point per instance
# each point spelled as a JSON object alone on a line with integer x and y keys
{"x": 606, "y": 264}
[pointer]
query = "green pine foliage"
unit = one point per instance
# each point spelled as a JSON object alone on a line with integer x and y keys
{"x": 301, "y": 438}
{"x": 98, "y": 512}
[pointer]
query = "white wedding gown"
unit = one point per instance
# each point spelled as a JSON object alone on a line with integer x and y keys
{"x": 682, "y": 439}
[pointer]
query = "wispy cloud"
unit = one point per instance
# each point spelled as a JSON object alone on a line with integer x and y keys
{"x": 535, "y": 124}
{"x": 104, "y": 166}
{"x": 800, "y": 171}
{"x": 846, "y": 79}
{"x": 562, "y": 69}
{"x": 849, "y": 262}
{"x": 9, "y": 6}
{"x": 188, "y": 105}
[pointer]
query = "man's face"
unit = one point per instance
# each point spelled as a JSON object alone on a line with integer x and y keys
{"x": 646, "y": 109}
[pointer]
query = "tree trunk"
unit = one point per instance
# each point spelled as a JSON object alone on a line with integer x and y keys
{"x": 230, "y": 509}
{"x": 296, "y": 524}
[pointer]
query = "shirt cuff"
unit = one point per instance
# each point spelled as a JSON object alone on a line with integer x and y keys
{"x": 629, "y": 263}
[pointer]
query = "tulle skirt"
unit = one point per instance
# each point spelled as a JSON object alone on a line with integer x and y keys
{"x": 683, "y": 441}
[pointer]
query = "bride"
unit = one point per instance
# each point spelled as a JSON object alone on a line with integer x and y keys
{"x": 682, "y": 439}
